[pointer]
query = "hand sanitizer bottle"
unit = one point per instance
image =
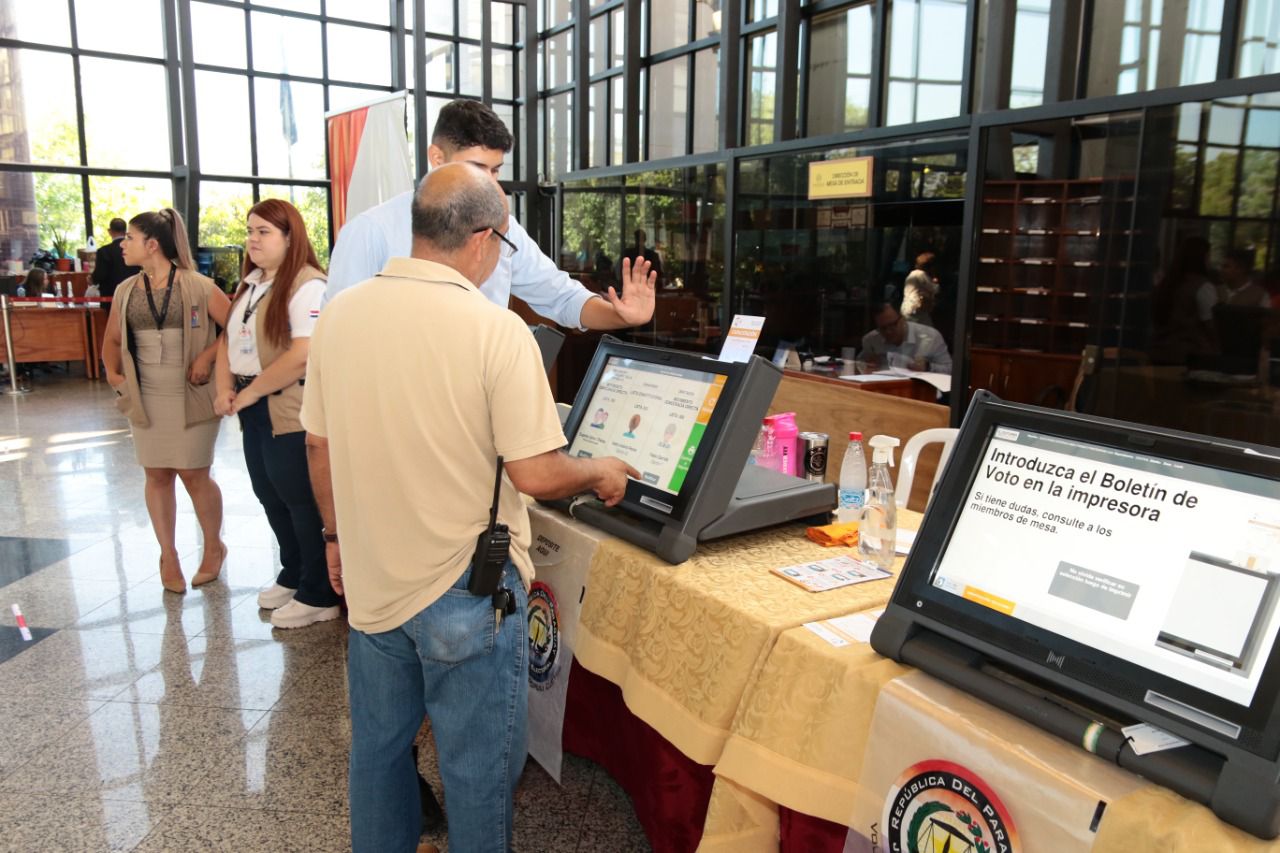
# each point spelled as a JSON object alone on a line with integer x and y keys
{"x": 878, "y": 529}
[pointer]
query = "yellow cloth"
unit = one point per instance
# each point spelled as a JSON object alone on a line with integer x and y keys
{"x": 419, "y": 383}
{"x": 825, "y": 731}
{"x": 684, "y": 642}
{"x": 1157, "y": 819}
{"x": 835, "y": 534}
{"x": 802, "y": 729}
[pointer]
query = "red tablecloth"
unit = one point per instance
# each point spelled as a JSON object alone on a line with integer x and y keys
{"x": 670, "y": 792}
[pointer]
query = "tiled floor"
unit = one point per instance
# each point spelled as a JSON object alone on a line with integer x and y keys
{"x": 141, "y": 721}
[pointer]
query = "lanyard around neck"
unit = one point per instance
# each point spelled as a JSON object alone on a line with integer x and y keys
{"x": 250, "y": 305}
{"x": 159, "y": 314}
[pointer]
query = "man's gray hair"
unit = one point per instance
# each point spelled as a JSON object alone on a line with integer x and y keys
{"x": 447, "y": 216}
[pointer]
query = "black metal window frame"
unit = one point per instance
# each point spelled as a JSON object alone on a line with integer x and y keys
{"x": 1066, "y": 67}
{"x": 184, "y": 171}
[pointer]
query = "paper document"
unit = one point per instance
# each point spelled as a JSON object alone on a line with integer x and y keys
{"x": 834, "y": 573}
{"x": 846, "y": 630}
{"x": 906, "y": 538}
{"x": 1145, "y": 738}
{"x": 871, "y": 377}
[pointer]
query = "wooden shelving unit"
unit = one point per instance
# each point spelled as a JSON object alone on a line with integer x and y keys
{"x": 1046, "y": 252}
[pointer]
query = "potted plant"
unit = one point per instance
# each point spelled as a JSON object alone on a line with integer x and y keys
{"x": 61, "y": 262}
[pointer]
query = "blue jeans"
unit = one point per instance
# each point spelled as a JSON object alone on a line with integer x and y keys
{"x": 278, "y": 471}
{"x": 472, "y": 682}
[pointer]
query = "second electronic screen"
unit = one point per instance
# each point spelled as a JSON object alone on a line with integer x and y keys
{"x": 651, "y": 416}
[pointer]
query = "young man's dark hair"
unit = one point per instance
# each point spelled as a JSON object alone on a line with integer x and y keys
{"x": 117, "y": 226}
{"x": 470, "y": 124}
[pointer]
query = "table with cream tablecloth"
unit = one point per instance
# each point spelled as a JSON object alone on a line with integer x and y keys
{"x": 664, "y": 655}
{"x": 685, "y": 642}
{"x": 826, "y": 734}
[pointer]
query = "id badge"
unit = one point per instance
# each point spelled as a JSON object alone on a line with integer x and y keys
{"x": 195, "y": 318}
{"x": 246, "y": 341}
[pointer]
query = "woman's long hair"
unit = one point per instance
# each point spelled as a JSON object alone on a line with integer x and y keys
{"x": 166, "y": 227}
{"x": 299, "y": 254}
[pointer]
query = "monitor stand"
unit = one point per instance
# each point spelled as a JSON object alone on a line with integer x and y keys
{"x": 762, "y": 498}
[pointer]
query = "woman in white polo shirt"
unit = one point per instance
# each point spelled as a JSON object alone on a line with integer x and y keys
{"x": 262, "y": 360}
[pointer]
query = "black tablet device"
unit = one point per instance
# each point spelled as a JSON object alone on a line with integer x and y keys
{"x": 1130, "y": 568}
{"x": 658, "y": 410}
{"x": 686, "y": 423}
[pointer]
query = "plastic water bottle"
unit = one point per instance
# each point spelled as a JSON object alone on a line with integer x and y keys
{"x": 853, "y": 480}
{"x": 878, "y": 529}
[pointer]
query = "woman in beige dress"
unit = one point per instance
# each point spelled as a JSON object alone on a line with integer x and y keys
{"x": 166, "y": 319}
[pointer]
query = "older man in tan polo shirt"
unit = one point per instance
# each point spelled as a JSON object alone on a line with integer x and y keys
{"x": 416, "y": 384}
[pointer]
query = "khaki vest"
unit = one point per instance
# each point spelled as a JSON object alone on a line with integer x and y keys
{"x": 285, "y": 404}
{"x": 198, "y": 332}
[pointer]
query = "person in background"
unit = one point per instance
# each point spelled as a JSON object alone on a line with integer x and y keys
{"x": 36, "y": 282}
{"x": 920, "y": 291}
{"x": 1237, "y": 285}
{"x": 641, "y": 252}
{"x": 262, "y": 360}
{"x": 109, "y": 267}
{"x": 922, "y": 347}
{"x": 469, "y": 132}
{"x": 1180, "y": 331}
{"x": 158, "y": 351}
{"x": 405, "y": 486}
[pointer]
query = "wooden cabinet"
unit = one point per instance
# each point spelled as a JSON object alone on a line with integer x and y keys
{"x": 1020, "y": 377}
{"x": 1050, "y": 254}
{"x": 1051, "y": 262}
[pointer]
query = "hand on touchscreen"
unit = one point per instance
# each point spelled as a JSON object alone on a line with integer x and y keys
{"x": 611, "y": 485}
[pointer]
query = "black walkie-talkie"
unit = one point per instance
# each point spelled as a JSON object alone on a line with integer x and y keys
{"x": 492, "y": 548}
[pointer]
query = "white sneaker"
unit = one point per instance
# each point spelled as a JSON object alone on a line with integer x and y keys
{"x": 275, "y": 596}
{"x": 295, "y": 614}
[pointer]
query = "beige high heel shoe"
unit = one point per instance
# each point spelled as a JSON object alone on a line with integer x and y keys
{"x": 178, "y": 587}
{"x": 202, "y": 578}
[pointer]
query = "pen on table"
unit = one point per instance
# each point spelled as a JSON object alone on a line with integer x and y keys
{"x": 22, "y": 624}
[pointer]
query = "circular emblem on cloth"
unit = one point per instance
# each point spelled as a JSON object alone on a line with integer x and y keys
{"x": 936, "y": 806}
{"x": 544, "y": 636}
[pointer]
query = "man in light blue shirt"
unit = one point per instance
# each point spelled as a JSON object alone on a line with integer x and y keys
{"x": 469, "y": 132}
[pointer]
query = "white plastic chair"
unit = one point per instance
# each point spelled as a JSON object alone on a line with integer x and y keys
{"x": 946, "y": 436}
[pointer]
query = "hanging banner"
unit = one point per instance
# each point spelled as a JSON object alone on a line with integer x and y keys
{"x": 562, "y": 550}
{"x": 369, "y": 156}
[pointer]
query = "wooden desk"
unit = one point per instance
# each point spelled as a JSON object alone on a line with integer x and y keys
{"x": 51, "y": 334}
{"x": 836, "y": 407}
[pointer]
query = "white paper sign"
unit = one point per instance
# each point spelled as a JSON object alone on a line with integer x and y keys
{"x": 740, "y": 343}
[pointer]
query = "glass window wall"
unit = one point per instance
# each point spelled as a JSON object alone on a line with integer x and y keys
{"x": 817, "y": 268}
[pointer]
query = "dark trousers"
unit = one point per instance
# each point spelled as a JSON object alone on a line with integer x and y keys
{"x": 278, "y": 470}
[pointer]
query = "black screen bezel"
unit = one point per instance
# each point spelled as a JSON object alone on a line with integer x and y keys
{"x": 733, "y": 373}
{"x": 1022, "y": 645}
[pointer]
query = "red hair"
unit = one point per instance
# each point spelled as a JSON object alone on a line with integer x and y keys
{"x": 298, "y": 255}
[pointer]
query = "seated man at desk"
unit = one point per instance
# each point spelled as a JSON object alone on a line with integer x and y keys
{"x": 922, "y": 346}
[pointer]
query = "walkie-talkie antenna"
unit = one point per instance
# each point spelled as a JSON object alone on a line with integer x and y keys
{"x": 497, "y": 489}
